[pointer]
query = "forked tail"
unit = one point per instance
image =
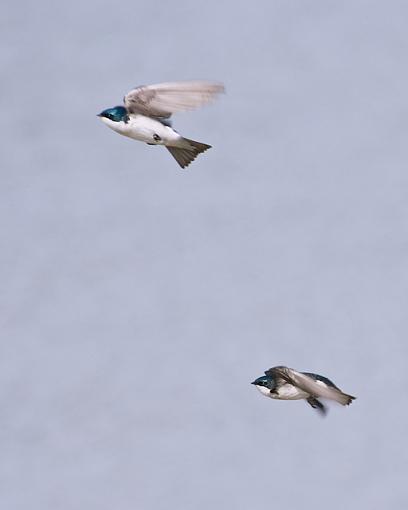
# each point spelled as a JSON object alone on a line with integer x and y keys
{"x": 185, "y": 155}
{"x": 347, "y": 399}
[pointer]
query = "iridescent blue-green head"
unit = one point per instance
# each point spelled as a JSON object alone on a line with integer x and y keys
{"x": 265, "y": 381}
{"x": 116, "y": 114}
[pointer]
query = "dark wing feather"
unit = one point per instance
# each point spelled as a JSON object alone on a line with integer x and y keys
{"x": 316, "y": 404}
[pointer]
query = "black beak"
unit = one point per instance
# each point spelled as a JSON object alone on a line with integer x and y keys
{"x": 99, "y": 115}
{"x": 253, "y": 382}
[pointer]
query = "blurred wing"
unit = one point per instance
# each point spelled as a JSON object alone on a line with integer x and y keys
{"x": 163, "y": 99}
{"x": 309, "y": 385}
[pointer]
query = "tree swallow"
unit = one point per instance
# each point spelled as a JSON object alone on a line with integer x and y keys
{"x": 284, "y": 383}
{"x": 148, "y": 108}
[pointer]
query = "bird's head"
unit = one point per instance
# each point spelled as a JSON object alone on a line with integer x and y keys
{"x": 115, "y": 114}
{"x": 266, "y": 381}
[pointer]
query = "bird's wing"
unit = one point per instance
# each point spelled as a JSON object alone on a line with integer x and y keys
{"x": 321, "y": 378}
{"x": 311, "y": 386}
{"x": 163, "y": 99}
{"x": 275, "y": 373}
{"x": 316, "y": 404}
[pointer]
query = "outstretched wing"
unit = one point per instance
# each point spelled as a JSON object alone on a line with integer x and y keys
{"x": 312, "y": 386}
{"x": 163, "y": 99}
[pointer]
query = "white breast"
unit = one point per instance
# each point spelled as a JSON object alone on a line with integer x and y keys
{"x": 264, "y": 391}
{"x": 143, "y": 129}
{"x": 285, "y": 392}
{"x": 289, "y": 392}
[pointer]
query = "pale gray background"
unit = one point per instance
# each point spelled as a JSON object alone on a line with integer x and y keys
{"x": 138, "y": 300}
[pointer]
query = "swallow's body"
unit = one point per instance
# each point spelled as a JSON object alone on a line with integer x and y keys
{"x": 283, "y": 383}
{"x": 285, "y": 392}
{"x": 144, "y": 129}
{"x": 144, "y": 116}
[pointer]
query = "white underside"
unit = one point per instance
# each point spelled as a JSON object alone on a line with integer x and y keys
{"x": 285, "y": 392}
{"x": 144, "y": 128}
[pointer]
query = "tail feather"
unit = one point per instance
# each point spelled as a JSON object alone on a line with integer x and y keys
{"x": 340, "y": 397}
{"x": 347, "y": 399}
{"x": 185, "y": 155}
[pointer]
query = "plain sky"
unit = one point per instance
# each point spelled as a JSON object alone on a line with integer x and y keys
{"x": 138, "y": 301}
